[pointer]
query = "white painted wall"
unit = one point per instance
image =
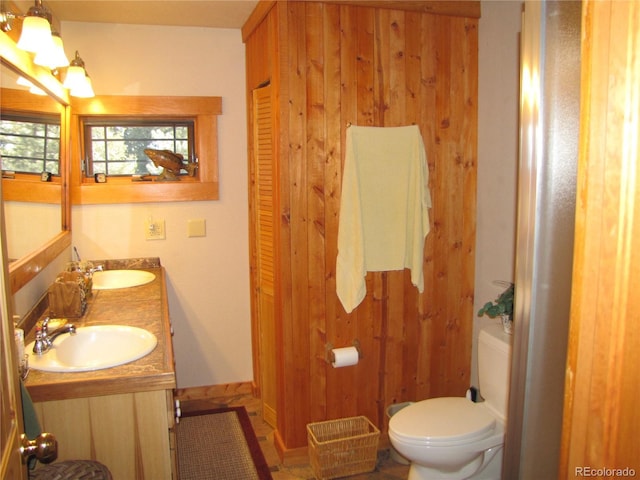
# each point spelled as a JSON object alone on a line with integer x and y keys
{"x": 208, "y": 278}
{"x": 498, "y": 92}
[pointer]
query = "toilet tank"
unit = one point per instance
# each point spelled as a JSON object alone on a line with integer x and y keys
{"x": 494, "y": 368}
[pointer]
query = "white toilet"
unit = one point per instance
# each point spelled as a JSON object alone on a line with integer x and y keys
{"x": 453, "y": 437}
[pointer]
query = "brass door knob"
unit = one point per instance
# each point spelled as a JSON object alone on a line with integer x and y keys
{"x": 44, "y": 447}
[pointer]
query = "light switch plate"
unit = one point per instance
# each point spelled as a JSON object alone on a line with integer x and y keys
{"x": 196, "y": 227}
{"x": 154, "y": 230}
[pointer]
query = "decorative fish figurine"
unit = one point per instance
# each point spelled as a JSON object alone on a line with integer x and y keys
{"x": 171, "y": 163}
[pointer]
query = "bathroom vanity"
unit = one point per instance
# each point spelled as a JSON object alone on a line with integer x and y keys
{"x": 122, "y": 416}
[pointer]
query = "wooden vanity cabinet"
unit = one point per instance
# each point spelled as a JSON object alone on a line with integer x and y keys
{"x": 122, "y": 417}
{"x": 131, "y": 433}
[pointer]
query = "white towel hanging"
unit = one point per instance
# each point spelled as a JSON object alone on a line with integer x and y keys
{"x": 384, "y": 204}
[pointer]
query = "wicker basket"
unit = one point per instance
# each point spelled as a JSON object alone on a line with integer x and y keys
{"x": 342, "y": 447}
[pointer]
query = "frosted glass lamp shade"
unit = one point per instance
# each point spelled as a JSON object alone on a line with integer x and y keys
{"x": 84, "y": 90}
{"x": 75, "y": 77}
{"x": 54, "y": 57}
{"x": 36, "y": 34}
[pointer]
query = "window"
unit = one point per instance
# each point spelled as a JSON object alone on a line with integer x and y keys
{"x": 110, "y": 133}
{"x": 30, "y": 144}
{"x": 116, "y": 147}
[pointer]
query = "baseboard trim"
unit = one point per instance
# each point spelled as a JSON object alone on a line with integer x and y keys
{"x": 215, "y": 391}
{"x": 290, "y": 456}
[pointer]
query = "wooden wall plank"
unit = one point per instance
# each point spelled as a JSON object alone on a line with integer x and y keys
{"x": 469, "y": 140}
{"x": 315, "y": 166}
{"x": 340, "y": 326}
{"x": 297, "y": 336}
{"x": 413, "y": 107}
{"x": 427, "y": 307}
{"x": 454, "y": 119}
{"x": 337, "y": 65}
{"x": 278, "y": 54}
{"x": 369, "y": 320}
{"x": 334, "y": 127}
{"x": 393, "y": 85}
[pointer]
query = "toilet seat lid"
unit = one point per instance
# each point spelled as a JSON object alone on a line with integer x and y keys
{"x": 442, "y": 420}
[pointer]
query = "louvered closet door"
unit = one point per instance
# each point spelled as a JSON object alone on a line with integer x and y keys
{"x": 264, "y": 158}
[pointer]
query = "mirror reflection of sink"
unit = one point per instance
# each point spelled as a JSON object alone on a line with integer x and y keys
{"x": 94, "y": 348}
{"x": 111, "y": 279}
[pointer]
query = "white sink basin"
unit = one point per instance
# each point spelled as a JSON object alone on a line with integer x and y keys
{"x": 94, "y": 348}
{"x": 110, "y": 279}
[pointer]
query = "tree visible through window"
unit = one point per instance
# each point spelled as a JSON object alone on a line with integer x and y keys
{"x": 30, "y": 144}
{"x": 116, "y": 147}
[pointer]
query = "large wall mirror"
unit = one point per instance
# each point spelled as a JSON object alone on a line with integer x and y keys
{"x": 36, "y": 208}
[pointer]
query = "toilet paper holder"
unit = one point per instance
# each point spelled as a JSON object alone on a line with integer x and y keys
{"x": 329, "y": 357}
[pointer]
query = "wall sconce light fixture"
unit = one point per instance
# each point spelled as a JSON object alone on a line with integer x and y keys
{"x": 37, "y": 37}
{"x": 77, "y": 79}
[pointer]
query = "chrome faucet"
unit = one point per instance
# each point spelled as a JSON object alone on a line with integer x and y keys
{"x": 99, "y": 268}
{"x": 44, "y": 339}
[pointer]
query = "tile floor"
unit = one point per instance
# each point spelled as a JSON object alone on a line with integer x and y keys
{"x": 386, "y": 468}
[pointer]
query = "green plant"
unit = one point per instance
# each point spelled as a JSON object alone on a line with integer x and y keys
{"x": 503, "y": 305}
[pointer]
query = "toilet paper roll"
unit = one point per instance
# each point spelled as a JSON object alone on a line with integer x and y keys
{"x": 344, "y": 357}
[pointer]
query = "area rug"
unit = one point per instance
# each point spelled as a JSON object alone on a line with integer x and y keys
{"x": 219, "y": 444}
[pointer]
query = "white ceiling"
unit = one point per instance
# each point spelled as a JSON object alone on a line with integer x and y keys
{"x": 194, "y": 13}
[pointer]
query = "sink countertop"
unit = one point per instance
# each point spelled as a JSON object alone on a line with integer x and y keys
{"x": 144, "y": 306}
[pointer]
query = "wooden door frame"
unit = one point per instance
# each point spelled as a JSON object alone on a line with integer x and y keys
{"x": 601, "y": 387}
{"x": 11, "y": 465}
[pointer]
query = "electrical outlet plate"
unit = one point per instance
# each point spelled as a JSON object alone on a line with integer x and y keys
{"x": 154, "y": 230}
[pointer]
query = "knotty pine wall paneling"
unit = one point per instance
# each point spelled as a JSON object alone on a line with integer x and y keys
{"x": 332, "y": 64}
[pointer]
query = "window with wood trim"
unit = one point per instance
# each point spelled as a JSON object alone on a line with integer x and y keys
{"x": 109, "y": 136}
